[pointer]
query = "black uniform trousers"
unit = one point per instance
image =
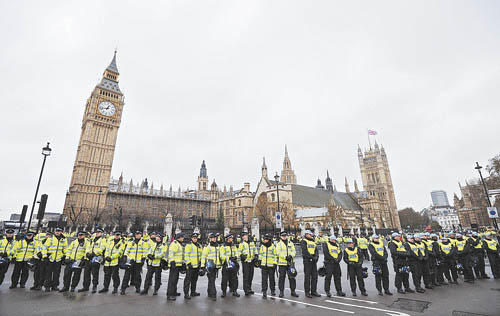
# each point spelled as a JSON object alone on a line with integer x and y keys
{"x": 426, "y": 274}
{"x": 111, "y": 272}
{"x": 248, "y": 269}
{"x": 3, "y": 271}
{"x": 20, "y": 270}
{"x": 91, "y": 271}
{"x": 432, "y": 269}
{"x": 382, "y": 279}
{"x": 356, "y": 273}
{"x": 190, "y": 280}
{"x": 365, "y": 253}
{"x": 333, "y": 270}
{"x": 494, "y": 264}
{"x": 479, "y": 269}
{"x": 283, "y": 273}
{"x": 156, "y": 271}
{"x": 310, "y": 276}
{"x": 52, "y": 274}
{"x": 173, "y": 278}
{"x": 416, "y": 272}
{"x": 464, "y": 260}
{"x": 231, "y": 277}
{"x": 268, "y": 275}
{"x": 68, "y": 272}
{"x": 447, "y": 266}
{"x": 39, "y": 273}
{"x": 211, "y": 290}
{"x": 401, "y": 279}
{"x": 133, "y": 274}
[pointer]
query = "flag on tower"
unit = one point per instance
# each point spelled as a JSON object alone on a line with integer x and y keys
{"x": 372, "y": 132}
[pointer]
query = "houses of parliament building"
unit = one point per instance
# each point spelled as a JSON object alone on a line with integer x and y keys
{"x": 95, "y": 197}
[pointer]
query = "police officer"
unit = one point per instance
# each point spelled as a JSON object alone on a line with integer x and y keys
{"x": 176, "y": 262}
{"x": 416, "y": 256}
{"x": 354, "y": 259}
{"x": 424, "y": 265}
{"x": 41, "y": 264}
{"x": 112, "y": 255}
{"x": 95, "y": 248}
{"x": 74, "y": 262}
{"x": 6, "y": 245}
{"x": 332, "y": 256}
{"x": 229, "y": 254}
{"x": 285, "y": 252}
{"x": 477, "y": 255}
{"x": 155, "y": 260}
{"x": 379, "y": 256}
{"x": 400, "y": 255}
{"x": 463, "y": 252}
{"x": 448, "y": 252}
{"x": 136, "y": 250}
{"x": 248, "y": 254}
{"x": 362, "y": 244}
{"x": 493, "y": 252}
{"x": 56, "y": 248}
{"x": 22, "y": 252}
{"x": 267, "y": 255}
{"x": 192, "y": 259}
{"x": 310, "y": 256}
{"x": 211, "y": 261}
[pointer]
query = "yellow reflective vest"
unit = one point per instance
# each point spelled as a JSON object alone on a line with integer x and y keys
{"x": 6, "y": 246}
{"x": 115, "y": 251}
{"x": 267, "y": 256}
{"x": 136, "y": 251}
{"x": 248, "y": 249}
{"x": 159, "y": 251}
{"x": 352, "y": 255}
{"x": 379, "y": 248}
{"x": 311, "y": 246}
{"x": 211, "y": 253}
{"x": 23, "y": 250}
{"x": 227, "y": 252}
{"x": 284, "y": 250}
{"x": 491, "y": 244}
{"x": 56, "y": 248}
{"x": 96, "y": 246}
{"x": 333, "y": 250}
{"x": 192, "y": 254}
{"x": 176, "y": 253}
{"x": 362, "y": 243}
{"x": 76, "y": 251}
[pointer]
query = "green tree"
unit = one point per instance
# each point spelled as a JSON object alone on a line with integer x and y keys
{"x": 409, "y": 218}
{"x": 219, "y": 221}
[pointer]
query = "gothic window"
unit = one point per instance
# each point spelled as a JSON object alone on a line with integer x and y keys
{"x": 272, "y": 197}
{"x": 239, "y": 202}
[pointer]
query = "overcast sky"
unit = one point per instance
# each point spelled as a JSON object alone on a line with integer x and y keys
{"x": 233, "y": 81}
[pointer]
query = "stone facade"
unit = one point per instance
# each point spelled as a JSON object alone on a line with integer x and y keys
{"x": 471, "y": 207}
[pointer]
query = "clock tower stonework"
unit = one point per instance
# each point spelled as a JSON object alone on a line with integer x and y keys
{"x": 96, "y": 149}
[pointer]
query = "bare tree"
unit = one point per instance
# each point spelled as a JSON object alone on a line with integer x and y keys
{"x": 74, "y": 215}
{"x": 262, "y": 208}
{"x": 336, "y": 213}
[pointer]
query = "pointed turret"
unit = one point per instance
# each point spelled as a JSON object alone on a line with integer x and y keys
{"x": 170, "y": 191}
{"x": 328, "y": 182}
{"x": 346, "y": 185}
{"x": 112, "y": 66}
{"x": 356, "y": 187}
{"x": 264, "y": 168}
{"x": 334, "y": 188}
{"x": 287, "y": 174}
{"x": 214, "y": 186}
{"x": 151, "y": 191}
{"x": 319, "y": 185}
{"x": 131, "y": 185}
{"x": 161, "y": 189}
{"x": 203, "y": 170}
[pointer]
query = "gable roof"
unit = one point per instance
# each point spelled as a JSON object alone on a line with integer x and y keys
{"x": 310, "y": 196}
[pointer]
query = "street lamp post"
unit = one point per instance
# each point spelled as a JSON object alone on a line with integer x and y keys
{"x": 277, "y": 178}
{"x": 478, "y": 168}
{"x": 96, "y": 217}
{"x": 45, "y": 152}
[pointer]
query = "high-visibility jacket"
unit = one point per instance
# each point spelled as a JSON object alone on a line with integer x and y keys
{"x": 428, "y": 244}
{"x": 211, "y": 253}
{"x": 399, "y": 245}
{"x": 159, "y": 252}
{"x": 491, "y": 244}
{"x": 176, "y": 253}
{"x": 362, "y": 243}
{"x": 76, "y": 251}
{"x": 311, "y": 246}
{"x": 40, "y": 249}
{"x": 115, "y": 251}
{"x": 248, "y": 249}
{"x": 267, "y": 256}
{"x": 446, "y": 249}
{"x": 333, "y": 250}
{"x": 96, "y": 246}
{"x": 479, "y": 242}
{"x": 460, "y": 244}
{"x": 352, "y": 255}
{"x": 228, "y": 251}
{"x": 415, "y": 248}
{"x": 284, "y": 250}
{"x": 6, "y": 246}
{"x": 23, "y": 250}
{"x": 56, "y": 248}
{"x": 379, "y": 248}
{"x": 136, "y": 251}
{"x": 192, "y": 254}
{"x": 421, "y": 247}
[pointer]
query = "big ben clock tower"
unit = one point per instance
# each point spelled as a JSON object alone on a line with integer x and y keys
{"x": 96, "y": 149}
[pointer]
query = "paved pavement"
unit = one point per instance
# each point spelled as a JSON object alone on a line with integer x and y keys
{"x": 481, "y": 298}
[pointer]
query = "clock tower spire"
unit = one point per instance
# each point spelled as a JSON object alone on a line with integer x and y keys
{"x": 96, "y": 149}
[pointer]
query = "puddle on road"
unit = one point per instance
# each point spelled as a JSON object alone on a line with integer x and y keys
{"x": 410, "y": 305}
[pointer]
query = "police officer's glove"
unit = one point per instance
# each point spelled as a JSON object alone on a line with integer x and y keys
{"x": 63, "y": 258}
{"x": 3, "y": 255}
{"x": 89, "y": 255}
{"x": 151, "y": 256}
{"x": 244, "y": 258}
{"x": 108, "y": 259}
{"x": 233, "y": 259}
{"x": 288, "y": 258}
{"x": 172, "y": 264}
{"x": 39, "y": 255}
{"x": 189, "y": 266}
{"x": 46, "y": 259}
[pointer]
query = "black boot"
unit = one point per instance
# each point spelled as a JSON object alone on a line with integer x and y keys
{"x": 340, "y": 293}
{"x": 294, "y": 294}
{"x": 85, "y": 289}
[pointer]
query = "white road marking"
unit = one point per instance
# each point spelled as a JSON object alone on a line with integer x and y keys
{"x": 309, "y": 304}
{"x": 390, "y": 313}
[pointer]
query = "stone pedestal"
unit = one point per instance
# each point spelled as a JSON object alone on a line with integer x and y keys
{"x": 255, "y": 228}
{"x": 226, "y": 231}
{"x": 167, "y": 227}
{"x": 316, "y": 228}
{"x": 341, "y": 231}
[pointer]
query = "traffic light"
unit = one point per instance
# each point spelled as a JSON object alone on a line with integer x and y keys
{"x": 192, "y": 220}
{"x": 41, "y": 207}
{"x": 198, "y": 222}
{"x": 23, "y": 213}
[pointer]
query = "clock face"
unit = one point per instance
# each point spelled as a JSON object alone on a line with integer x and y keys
{"x": 107, "y": 108}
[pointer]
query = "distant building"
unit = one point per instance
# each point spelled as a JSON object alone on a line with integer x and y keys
{"x": 472, "y": 205}
{"x": 447, "y": 217}
{"x": 439, "y": 198}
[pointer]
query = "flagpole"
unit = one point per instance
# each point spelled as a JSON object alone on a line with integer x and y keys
{"x": 369, "y": 142}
